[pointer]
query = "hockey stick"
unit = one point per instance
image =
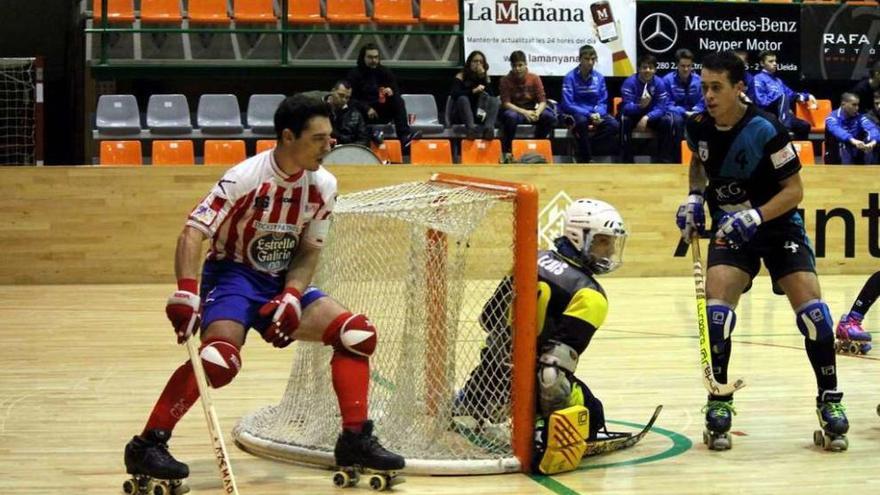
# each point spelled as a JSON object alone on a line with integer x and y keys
{"x": 620, "y": 441}
{"x": 709, "y": 381}
{"x": 214, "y": 430}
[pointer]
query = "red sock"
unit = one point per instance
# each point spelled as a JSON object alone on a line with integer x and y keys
{"x": 351, "y": 381}
{"x": 179, "y": 395}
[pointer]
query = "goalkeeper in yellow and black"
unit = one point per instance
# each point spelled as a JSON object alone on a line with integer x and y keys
{"x": 571, "y": 307}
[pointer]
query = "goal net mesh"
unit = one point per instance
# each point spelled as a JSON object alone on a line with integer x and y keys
{"x": 421, "y": 260}
{"x": 17, "y": 111}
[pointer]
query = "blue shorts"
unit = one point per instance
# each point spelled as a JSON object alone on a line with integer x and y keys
{"x": 233, "y": 291}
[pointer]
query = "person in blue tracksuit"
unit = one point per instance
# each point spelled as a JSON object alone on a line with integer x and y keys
{"x": 645, "y": 105}
{"x": 685, "y": 96}
{"x": 850, "y": 138}
{"x": 775, "y": 97}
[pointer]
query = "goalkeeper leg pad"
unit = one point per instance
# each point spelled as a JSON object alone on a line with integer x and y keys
{"x": 562, "y": 440}
{"x": 221, "y": 361}
{"x": 351, "y": 333}
{"x": 555, "y": 366}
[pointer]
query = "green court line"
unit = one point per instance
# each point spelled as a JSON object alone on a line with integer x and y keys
{"x": 680, "y": 445}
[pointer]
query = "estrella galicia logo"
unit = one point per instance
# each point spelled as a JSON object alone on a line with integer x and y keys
{"x": 658, "y": 32}
{"x": 272, "y": 252}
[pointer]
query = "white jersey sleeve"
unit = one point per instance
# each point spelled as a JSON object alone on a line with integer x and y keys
{"x": 322, "y": 190}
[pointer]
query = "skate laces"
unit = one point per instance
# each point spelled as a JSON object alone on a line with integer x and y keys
{"x": 834, "y": 410}
{"x": 719, "y": 408}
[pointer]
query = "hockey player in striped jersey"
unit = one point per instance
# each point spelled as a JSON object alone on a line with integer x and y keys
{"x": 265, "y": 220}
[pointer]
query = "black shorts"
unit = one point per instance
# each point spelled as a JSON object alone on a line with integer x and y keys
{"x": 784, "y": 247}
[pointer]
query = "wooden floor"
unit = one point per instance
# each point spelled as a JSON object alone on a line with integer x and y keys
{"x": 82, "y": 365}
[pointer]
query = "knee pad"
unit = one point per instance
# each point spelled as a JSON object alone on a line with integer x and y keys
{"x": 814, "y": 320}
{"x": 555, "y": 366}
{"x": 722, "y": 320}
{"x": 351, "y": 333}
{"x": 221, "y": 361}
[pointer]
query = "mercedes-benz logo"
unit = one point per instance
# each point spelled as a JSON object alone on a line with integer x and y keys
{"x": 658, "y": 32}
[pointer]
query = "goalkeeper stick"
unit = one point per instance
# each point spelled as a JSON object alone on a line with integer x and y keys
{"x": 709, "y": 382}
{"x": 217, "y": 442}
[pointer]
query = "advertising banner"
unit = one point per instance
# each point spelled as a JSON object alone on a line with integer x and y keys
{"x": 840, "y": 41}
{"x": 550, "y": 32}
{"x": 706, "y": 27}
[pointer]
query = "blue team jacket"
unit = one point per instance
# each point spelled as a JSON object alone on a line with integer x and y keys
{"x": 769, "y": 88}
{"x": 584, "y": 96}
{"x": 631, "y": 91}
{"x": 684, "y": 97}
{"x": 844, "y": 128}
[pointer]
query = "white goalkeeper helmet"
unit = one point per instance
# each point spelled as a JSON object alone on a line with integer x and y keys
{"x": 597, "y": 231}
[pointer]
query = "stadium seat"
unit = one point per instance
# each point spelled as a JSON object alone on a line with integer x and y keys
{"x": 685, "y": 153}
{"x": 160, "y": 11}
{"x": 178, "y": 152}
{"x": 261, "y": 112}
{"x": 422, "y": 111}
{"x": 118, "y": 114}
{"x": 393, "y": 12}
{"x": 168, "y": 114}
{"x": 118, "y": 11}
{"x": 304, "y": 12}
{"x": 121, "y": 153}
{"x": 347, "y": 12}
{"x": 816, "y": 117}
{"x": 254, "y": 11}
{"x": 480, "y": 152}
{"x": 265, "y": 144}
{"x": 805, "y": 152}
{"x": 208, "y": 12}
{"x": 224, "y": 152}
{"x": 389, "y": 151}
{"x": 430, "y": 152}
{"x": 219, "y": 114}
{"x": 439, "y": 12}
{"x": 539, "y": 146}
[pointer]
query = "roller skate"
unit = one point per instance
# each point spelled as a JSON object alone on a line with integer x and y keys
{"x": 154, "y": 471}
{"x": 361, "y": 453}
{"x": 851, "y": 337}
{"x": 719, "y": 417}
{"x": 832, "y": 419}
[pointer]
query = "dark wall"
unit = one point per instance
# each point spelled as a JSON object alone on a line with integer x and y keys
{"x": 49, "y": 28}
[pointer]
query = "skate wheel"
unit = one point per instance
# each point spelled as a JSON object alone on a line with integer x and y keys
{"x": 854, "y": 348}
{"x": 837, "y": 346}
{"x": 129, "y": 487}
{"x": 818, "y": 438}
{"x": 706, "y": 435}
{"x": 838, "y": 444}
{"x": 878, "y": 409}
{"x": 160, "y": 489}
{"x": 343, "y": 479}
{"x": 178, "y": 488}
{"x": 378, "y": 482}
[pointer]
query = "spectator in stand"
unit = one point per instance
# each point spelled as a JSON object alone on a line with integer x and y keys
{"x": 645, "y": 105}
{"x": 850, "y": 138}
{"x": 377, "y": 94}
{"x": 749, "y": 93}
{"x": 524, "y": 102}
{"x": 349, "y": 126}
{"x": 472, "y": 100}
{"x": 775, "y": 97}
{"x": 585, "y": 107}
{"x": 685, "y": 95}
{"x": 874, "y": 114}
{"x": 867, "y": 87}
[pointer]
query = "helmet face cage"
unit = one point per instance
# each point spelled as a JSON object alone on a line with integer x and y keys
{"x": 585, "y": 219}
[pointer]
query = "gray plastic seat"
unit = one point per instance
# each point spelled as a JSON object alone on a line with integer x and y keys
{"x": 424, "y": 108}
{"x": 261, "y": 112}
{"x": 168, "y": 114}
{"x": 219, "y": 114}
{"x": 118, "y": 115}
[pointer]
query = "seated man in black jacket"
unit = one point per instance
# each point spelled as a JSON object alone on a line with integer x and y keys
{"x": 349, "y": 126}
{"x": 375, "y": 90}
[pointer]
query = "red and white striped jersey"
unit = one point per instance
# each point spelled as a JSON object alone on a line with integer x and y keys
{"x": 258, "y": 215}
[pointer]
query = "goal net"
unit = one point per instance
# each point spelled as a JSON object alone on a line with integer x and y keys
{"x": 422, "y": 260}
{"x": 18, "y": 111}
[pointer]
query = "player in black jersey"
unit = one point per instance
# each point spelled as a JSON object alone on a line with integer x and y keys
{"x": 571, "y": 307}
{"x": 746, "y": 168}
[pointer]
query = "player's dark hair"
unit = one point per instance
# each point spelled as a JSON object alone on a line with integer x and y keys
{"x": 586, "y": 50}
{"x": 342, "y": 82}
{"x": 295, "y": 111}
{"x": 517, "y": 56}
{"x": 846, "y": 97}
{"x": 683, "y": 53}
{"x": 468, "y": 73}
{"x": 726, "y": 61}
{"x": 765, "y": 54}
{"x": 363, "y": 53}
{"x": 647, "y": 59}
